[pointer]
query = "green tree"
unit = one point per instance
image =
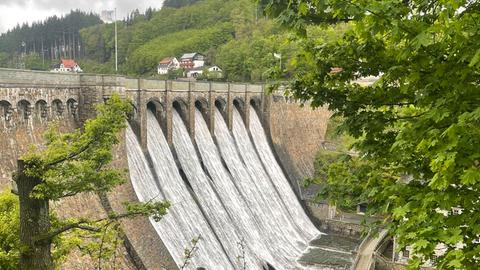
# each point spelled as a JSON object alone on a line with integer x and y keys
{"x": 9, "y": 231}
{"x": 34, "y": 62}
{"x": 3, "y": 59}
{"x": 178, "y": 3}
{"x": 418, "y": 125}
{"x": 70, "y": 164}
{"x": 145, "y": 59}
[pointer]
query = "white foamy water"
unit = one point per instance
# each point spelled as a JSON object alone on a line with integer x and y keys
{"x": 279, "y": 233}
{"x": 236, "y": 193}
{"x": 184, "y": 220}
{"x": 242, "y": 216}
{"x": 207, "y": 194}
{"x": 278, "y": 178}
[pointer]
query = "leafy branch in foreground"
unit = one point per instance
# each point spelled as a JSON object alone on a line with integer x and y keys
{"x": 189, "y": 253}
{"x": 70, "y": 164}
{"x": 417, "y": 127}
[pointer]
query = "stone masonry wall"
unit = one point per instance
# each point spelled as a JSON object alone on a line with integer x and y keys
{"x": 140, "y": 234}
{"x": 14, "y": 143}
{"x": 297, "y": 133}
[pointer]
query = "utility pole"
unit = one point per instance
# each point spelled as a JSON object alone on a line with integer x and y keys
{"x": 116, "y": 43}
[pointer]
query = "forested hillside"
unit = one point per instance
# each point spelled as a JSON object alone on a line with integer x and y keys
{"x": 141, "y": 29}
{"x": 231, "y": 33}
{"x": 178, "y": 3}
{"x": 54, "y": 38}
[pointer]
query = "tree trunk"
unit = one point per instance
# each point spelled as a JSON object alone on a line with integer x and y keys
{"x": 34, "y": 221}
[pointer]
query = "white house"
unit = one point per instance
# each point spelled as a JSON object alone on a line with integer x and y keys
{"x": 166, "y": 64}
{"x": 215, "y": 72}
{"x": 195, "y": 72}
{"x": 67, "y": 65}
{"x": 215, "y": 69}
{"x": 192, "y": 60}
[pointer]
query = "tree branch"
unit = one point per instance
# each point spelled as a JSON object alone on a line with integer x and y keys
{"x": 71, "y": 155}
{"x": 82, "y": 225}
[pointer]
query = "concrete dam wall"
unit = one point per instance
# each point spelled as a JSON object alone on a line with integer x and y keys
{"x": 29, "y": 101}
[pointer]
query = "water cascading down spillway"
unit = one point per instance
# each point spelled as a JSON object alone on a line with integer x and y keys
{"x": 233, "y": 195}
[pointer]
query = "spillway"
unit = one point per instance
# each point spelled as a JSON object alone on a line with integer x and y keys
{"x": 279, "y": 180}
{"x": 207, "y": 195}
{"x": 184, "y": 221}
{"x": 248, "y": 225}
{"x": 227, "y": 188}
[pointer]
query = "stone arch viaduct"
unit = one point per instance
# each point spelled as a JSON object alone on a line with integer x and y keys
{"x": 27, "y": 96}
{"x": 30, "y": 99}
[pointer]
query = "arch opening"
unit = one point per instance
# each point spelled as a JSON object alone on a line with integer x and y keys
{"x": 202, "y": 105}
{"x": 158, "y": 109}
{"x": 6, "y": 110}
{"x": 268, "y": 266}
{"x": 41, "y": 109}
{"x": 240, "y": 105}
{"x": 24, "y": 109}
{"x": 221, "y": 104}
{"x": 58, "y": 107}
{"x": 256, "y": 104}
{"x": 222, "y": 107}
{"x": 182, "y": 108}
{"x": 72, "y": 106}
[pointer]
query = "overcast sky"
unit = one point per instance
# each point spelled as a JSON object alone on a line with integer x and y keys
{"x": 19, "y": 11}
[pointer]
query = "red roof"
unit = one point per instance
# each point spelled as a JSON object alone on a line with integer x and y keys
{"x": 166, "y": 61}
{"x": 69, "y": 63}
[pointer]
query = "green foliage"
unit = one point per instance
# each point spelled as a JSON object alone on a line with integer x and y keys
{"x": 421, "y": 119}
{"x": 3, "y": 59}
{"x": 9, "y": 231}
{"x": 145, "y": 58}
{"x": 136, "y": 31}
{"x": 9, "y": 234}
{"x": 342, "y": 178}
{"x": 34, "y": 62}
{"x": 75, "y": 162}
{"x": 173, "y": 74}
{"x": 210, "y": 75}
{"x": 155, "y": 210}
{"x": 91, "y": 66}
{"x": 335, "y": 135}
{"x": 250, "y": 57}
{"x": 178, "y": 3}
{"x": 189, "y": 253}
{"x": 222, "y": 30}
{"x": 48, "y": 35}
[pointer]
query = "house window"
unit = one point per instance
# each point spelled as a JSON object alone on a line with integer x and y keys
{"x": 406, "y": 254}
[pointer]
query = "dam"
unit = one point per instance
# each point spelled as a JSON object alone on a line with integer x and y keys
{"x": 227, "y": 156}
